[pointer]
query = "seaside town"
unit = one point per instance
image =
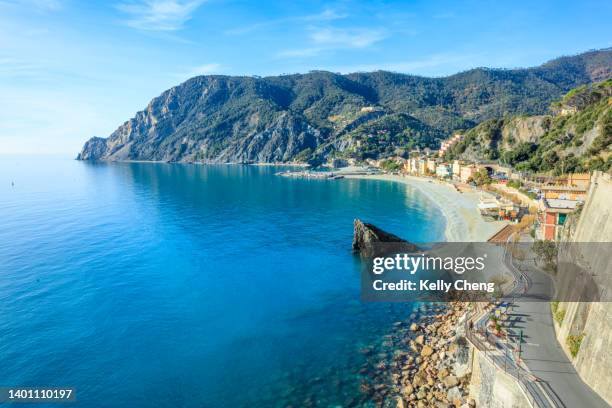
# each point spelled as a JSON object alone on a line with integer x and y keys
{"x": 540, "y": 202}
{"x": 489, "y": 362}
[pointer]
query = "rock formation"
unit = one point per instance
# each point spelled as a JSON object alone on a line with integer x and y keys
{"x": 370, "y": 241}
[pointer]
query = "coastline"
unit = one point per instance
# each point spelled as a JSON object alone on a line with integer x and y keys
{"x": 431, "y": 354}
{"x": 296, "y": 164}
{"x": 463, "y": 221}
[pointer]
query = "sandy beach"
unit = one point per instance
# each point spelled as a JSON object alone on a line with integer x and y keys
{"x": 463, "y": 221}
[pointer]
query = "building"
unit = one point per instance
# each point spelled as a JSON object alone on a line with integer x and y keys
{"x": 410, "y": 166}
{"x": 564, "y": 192}
{"x": 560, "y": 200}
{"x": 581, "y": 180}
{"x": 406, "y": 167}
{"x": 553, "y": 216}
{"x": 467, "y": 172}
{"x": 456, "y": 169}
{"x": 422, "y": 167}
{"x": 444, "y": 170}
{"x": 446, "y": 144}
{"x": 414, "y": 166}
{"x": 431, "y": 166}
{"x": 568, "y": 110}
{"x": 498, "y": 208}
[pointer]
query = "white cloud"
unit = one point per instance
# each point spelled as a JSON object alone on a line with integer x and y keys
{"x": 327, "y": 14}
{"x": 204, "y": 69}
{"x": 347, "y": 38}
{"x": 159, "y": 15}
{"x": 300, "y": 53}
{"x": 329, "y": 39}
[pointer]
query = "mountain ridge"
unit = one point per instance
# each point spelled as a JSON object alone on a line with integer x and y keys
{"x": 220, "y": 118}
{"x": 576, "y": 137}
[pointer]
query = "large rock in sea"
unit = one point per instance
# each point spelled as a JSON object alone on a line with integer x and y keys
{"x": 370, "y": 241}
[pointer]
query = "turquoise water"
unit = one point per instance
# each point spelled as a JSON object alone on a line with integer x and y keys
{"x": 174, "y": 285}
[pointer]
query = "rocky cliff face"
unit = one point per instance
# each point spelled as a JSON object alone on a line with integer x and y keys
{"x": 523, "y": 129}
{"x": 301, "y": 117}
{"x": 576, "y": 138}
{"x": 217, "y": 119}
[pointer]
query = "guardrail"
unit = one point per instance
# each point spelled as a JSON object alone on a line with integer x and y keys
{"x": 538, "y": 392}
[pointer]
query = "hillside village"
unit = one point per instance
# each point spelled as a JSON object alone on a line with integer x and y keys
{"x": 541, "y": 202}
{"x": 502, "y": 158}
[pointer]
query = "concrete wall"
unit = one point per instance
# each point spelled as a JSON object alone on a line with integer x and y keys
{"x": 595, "y": 224}
{"x": 593, "y": 361}
{"x": 493, "y": 388}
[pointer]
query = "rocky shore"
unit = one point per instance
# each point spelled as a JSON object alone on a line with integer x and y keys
{"x": 429, "y": 365}
{"x": 435, "y": 369}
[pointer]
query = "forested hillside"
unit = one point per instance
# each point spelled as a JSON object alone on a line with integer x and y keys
{"x": 322, "y": 114}
{"x": 576, "y": 137}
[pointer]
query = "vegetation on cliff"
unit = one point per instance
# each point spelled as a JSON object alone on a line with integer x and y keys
{"x": 576, "y": 138}
{"x": 322, "y": 114}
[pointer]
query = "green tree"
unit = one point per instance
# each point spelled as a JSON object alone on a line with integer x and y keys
{"x": 481, "y": 178}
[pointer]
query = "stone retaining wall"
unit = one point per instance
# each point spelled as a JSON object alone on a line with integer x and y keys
{"x": 593, "y": 320}
{"x": 493, "y": 388}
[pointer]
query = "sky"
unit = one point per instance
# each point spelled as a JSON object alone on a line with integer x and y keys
{"x": 70, "y": 70}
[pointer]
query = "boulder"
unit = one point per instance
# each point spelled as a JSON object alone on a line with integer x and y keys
{"x": 453, "y": 394}
{"x": 418, "y": 380}
{"x": 451, "y": 381}
{"x": 426, "y": 351}
{"x": 443, "y": 373}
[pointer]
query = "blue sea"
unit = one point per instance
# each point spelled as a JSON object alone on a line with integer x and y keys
{"x": 178, "y": 285}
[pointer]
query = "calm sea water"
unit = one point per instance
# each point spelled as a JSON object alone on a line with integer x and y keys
{"x": 174, "y": 285}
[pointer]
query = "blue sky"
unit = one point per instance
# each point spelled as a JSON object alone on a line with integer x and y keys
{"x": 73, "y": 69}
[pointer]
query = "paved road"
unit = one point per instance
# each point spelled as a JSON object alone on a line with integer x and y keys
{"x": 541, "y": 351}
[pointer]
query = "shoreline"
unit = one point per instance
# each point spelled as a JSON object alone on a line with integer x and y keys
{"x": 296, "y": 164}
{"x": 431, "y": 360}
{"x": 463, "y": 221}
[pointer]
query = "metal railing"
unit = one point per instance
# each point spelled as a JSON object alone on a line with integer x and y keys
{"x": 529, "y": 384}
{"x": 538, "y": 392}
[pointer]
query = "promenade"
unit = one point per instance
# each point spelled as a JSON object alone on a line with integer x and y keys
{"x": 530, "y": 352}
